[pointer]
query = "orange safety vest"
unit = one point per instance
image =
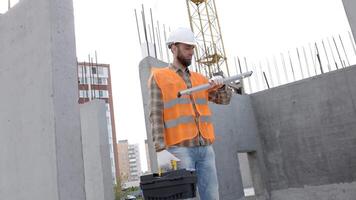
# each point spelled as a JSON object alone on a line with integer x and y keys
{"x": 178, "y": 114}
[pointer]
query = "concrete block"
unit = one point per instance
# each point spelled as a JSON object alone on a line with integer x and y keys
{"x": 40, "y": 140}
{"x": 96, "y": 151}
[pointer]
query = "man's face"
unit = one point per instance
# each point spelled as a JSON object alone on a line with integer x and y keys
{"x": 184, "y": 53}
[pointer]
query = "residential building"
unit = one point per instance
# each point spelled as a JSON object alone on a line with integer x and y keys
{"x": 94, "y": 82}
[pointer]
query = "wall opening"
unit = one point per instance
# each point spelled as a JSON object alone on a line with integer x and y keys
{"x": 250, "y": 174}
{"x": 246, "y": 175}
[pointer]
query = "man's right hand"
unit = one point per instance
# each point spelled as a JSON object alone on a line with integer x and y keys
{"x": 164, "y": 159}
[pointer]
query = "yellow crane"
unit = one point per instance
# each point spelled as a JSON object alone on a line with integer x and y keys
{"x": 210, "y": 53}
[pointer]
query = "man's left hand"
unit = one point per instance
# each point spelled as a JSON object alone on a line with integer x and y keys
{"x": 216, "y": 81}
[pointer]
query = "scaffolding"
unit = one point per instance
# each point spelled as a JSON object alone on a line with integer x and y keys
{"x": 210, "y": 53}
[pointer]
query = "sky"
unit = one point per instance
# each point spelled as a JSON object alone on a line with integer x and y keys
{"x": 255, "y": 29}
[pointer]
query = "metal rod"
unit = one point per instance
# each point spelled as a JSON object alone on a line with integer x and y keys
{"x": 352, "y": 42}
{"x": 312, "y": 56}
{"x": 92, "y": 75}
{"x": 242, "y": 81}
{"x": 300, "y": 64}
{"x": 264, "y": 75}
{"x": 256, "y": 79}
{"x": 207, "y": 85}
{"x": 306, "y": 61}
{"x": 153, "y": 34}
{"x": 165, "y": 42}
{"x": 86, "y": 80}
{"x": 8, "y": 4}
{"x": 93, "y": 67}
{"x": 238, "y": 60}
{"x": 138, "y": 29}
{"x": 83, "y": 78}
{"x": 291, "y": 65}
{"x": 235, "y": 65}
{"x": 332, "y": 53}
{"x": 159, "y": 40}
{"x": 284, "y": 67}
{"x": 249, "y": 81}
{"x": 145, "y": 30}
{"x": 269, "y": 72}
{"x": 343, "y": 47}
{"x": 150, "y": 33}
{"x": 338, "y": 53}
{"x": 276, "y": 69}
{"x": 318, "y": 56}
{"x": 327, "y": 57}
{"x": 262, "y": 78}
{"x": 90, "y": 80}
{"x": 158, "y": 45}
{"x": 97, "y": 68}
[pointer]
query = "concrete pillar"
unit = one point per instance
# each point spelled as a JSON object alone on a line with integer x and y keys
{"x": 145, "y": 70}
{"x": 350, "y": 6}
{"x": 96, "y": 151}
{"x": 40, "y": 141}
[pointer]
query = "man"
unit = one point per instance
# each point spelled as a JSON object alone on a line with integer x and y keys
{"x": 181, "y": 127}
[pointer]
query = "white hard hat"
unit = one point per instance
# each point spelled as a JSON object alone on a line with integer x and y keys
{"x": 181, "y": 35}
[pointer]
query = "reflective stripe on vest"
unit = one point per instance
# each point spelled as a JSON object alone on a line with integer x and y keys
{"x": 183, "y": 101}
{"x": 185, "y": 119}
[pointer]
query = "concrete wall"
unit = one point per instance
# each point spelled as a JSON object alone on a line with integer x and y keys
{"x": 96, "y": 151}
{"x": 40, "y": 144}
{"x": 40, "y": 140}
{"x": 307, "y": 129}
{"x": 350, "y": 7}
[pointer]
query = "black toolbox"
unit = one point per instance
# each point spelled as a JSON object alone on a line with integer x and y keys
{"x": 177, "y": 184}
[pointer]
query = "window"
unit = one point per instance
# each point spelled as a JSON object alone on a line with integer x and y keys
{"x": 95, "y": 80}
{"x": 102, "y": 81}
{"x": 93, "y": 70}
{"x": 83, "y": 94}
{"x": 105, "y": 72}
{"x": 96, "y": 93}
{"x": 105, "y": 94}
{"x": 100, "y": 70}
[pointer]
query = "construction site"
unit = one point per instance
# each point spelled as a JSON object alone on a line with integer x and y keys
{"x": 289, "y": 132}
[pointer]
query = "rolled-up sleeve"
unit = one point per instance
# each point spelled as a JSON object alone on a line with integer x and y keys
{"x": 221, "y": 95}
{"x": 156, "y": 115}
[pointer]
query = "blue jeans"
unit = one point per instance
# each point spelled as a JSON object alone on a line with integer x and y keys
{"x": 202, "y": 159}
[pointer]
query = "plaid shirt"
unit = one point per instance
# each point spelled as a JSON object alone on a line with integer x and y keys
{"x": 219, "y": 96}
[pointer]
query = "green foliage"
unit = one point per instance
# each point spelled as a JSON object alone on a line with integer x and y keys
{"x": 121, "y": 194}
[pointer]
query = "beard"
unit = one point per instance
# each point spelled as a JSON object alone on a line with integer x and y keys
{"x": 184, "y": 61}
